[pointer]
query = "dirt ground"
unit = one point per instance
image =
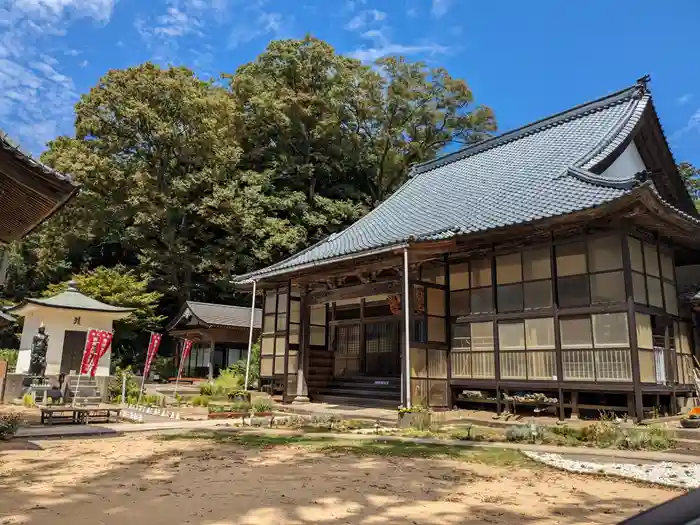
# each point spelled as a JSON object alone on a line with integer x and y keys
{"x": 142, "y": 479}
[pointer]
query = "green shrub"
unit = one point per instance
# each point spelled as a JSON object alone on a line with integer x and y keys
{"x": 228, "y": 381}
{"x": 115, "y": 385}
{"x": 9, "y": 423}
{"x": 262, "y": 405}
{"x": 603, "y": 433}
{"x": 254, "y": 374}
{"x": 28, "y": 401}
{"x": 239, "y": 406}
{"x": 164, "y": 367}
{"x": 206, "y": 389}
{"x": 10, "y": 355}
{"x": 463, "y": 434}
{"x": 200, "y": 401}
{"x": 525, "y": 433}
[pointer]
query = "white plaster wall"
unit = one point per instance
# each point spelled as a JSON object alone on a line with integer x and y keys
{"x": 57, "y": 322}
{"x": 627, "y": 164}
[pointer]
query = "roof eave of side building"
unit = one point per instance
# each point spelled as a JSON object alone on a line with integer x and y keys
{"x": 39, "y": 179}
{"x": 29, "y": 305}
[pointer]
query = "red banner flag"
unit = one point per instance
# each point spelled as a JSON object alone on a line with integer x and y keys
{"x": 153, "y": 345}
{"x": 91, "y": 348}
{"x": 186, "y": 347}
{"x": 105, "y": 340}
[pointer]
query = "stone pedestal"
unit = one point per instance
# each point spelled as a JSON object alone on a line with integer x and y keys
{"x": 300, "y": 400}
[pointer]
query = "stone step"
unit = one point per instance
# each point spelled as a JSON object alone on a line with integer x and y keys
{"x": 356, "y": 401}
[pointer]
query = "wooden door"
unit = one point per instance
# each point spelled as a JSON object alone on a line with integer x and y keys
{"x": 382, "y": 349}
{"x": 347, "y": 350}
{"x": 73, "y": 346}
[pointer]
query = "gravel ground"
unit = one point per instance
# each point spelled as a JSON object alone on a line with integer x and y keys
{"x": 685, "y": 475}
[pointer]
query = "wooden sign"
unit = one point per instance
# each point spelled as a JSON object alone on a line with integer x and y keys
{"x": 355, "y": 292}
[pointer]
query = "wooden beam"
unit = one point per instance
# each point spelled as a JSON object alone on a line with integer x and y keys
{"x": 355, "y": 292}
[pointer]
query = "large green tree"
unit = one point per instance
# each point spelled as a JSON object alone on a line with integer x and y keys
{"x": 190, "y": 181}
{"x": 152, "y": 147}
{"x": 340, "y": 136}
{"x": 119, "y": 286}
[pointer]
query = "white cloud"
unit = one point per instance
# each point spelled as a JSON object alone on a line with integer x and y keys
{"x": 176, "y": 23}
{"x": 365, "y": 18}
{"x": 38, "y": 97}
{"x": 84, "y": 63}
{"x": 693, "y": 124}
{"x": 100, "y": 10}
{"x": 264, "y": 25}
{"x": 440, "y": 7}
{"x": 684, "y": 99}
{"x": 382, "y": 46}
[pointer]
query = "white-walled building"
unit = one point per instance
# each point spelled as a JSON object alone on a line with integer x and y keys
{"x": 67, "y": 317}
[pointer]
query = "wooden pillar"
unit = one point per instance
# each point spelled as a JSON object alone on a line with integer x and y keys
{"x": 557, "y": 331}
{"x": 302, "y": 395}
{"x": 496, "y": 342}
{"x": 574, "y": 405}
{"x": 632, "y": 326}
{"x": 285, "y": 379}
{"x": 448, "y": 331}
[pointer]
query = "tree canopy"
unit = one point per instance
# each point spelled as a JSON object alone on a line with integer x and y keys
{"x": 691, "y": 176}
{"x": 191, "y": 181}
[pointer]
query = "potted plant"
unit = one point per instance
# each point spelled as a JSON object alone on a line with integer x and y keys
{"x": 239, "y": 395}
{"x": 417, "y": 416}
{"x": 692, "y": 421}
{"x": 262, "y": 407}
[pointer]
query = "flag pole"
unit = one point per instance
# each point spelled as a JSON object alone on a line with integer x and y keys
{"x": 250, "y": 337}
{"x": 80, "y": 370}
{"x": 179, "y": 366}
{"x": 143, "y": 378}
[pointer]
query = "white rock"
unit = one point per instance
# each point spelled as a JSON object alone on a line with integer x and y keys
{"x": 662, "y": 473}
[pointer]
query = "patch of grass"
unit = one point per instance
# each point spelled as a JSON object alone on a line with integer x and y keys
{"x": 383, "y": 448}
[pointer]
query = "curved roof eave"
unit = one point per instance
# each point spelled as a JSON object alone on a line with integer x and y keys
{"x": 122, "y": 312}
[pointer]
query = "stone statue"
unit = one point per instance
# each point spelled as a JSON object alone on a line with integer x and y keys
{"x": 40, "y": 344}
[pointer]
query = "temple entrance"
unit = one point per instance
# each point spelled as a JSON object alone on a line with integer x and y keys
{"x": 370, "y": 349}
{"x": 73, "y": 346}
{"x": 382, "y": 349}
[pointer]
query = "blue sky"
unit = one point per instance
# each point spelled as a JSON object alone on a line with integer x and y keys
{"x": 524, "y": 59}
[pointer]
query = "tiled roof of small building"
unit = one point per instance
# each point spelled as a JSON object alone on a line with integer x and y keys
{"x": 542, "y": 170}
{"x": 71, "y": 299}
{"x": 218, "y": 315}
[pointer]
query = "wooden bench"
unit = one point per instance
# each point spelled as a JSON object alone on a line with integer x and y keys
{"x": 77, "y": 415}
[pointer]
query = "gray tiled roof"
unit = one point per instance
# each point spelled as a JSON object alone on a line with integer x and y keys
{"x": 218, "y": 315}
{"x": 535, "y": 172}
{"x": 72, "y": 299}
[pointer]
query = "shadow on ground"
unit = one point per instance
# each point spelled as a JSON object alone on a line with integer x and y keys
{"x": 232, "y": 480}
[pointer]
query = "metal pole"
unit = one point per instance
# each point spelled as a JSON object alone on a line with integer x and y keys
{"x": 250, "y": 336}
{"x": 179, "y": 367}
{"x": 407, "y": 330}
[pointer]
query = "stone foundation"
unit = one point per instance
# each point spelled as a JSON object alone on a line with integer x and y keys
{"x": 16, "y": 385}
